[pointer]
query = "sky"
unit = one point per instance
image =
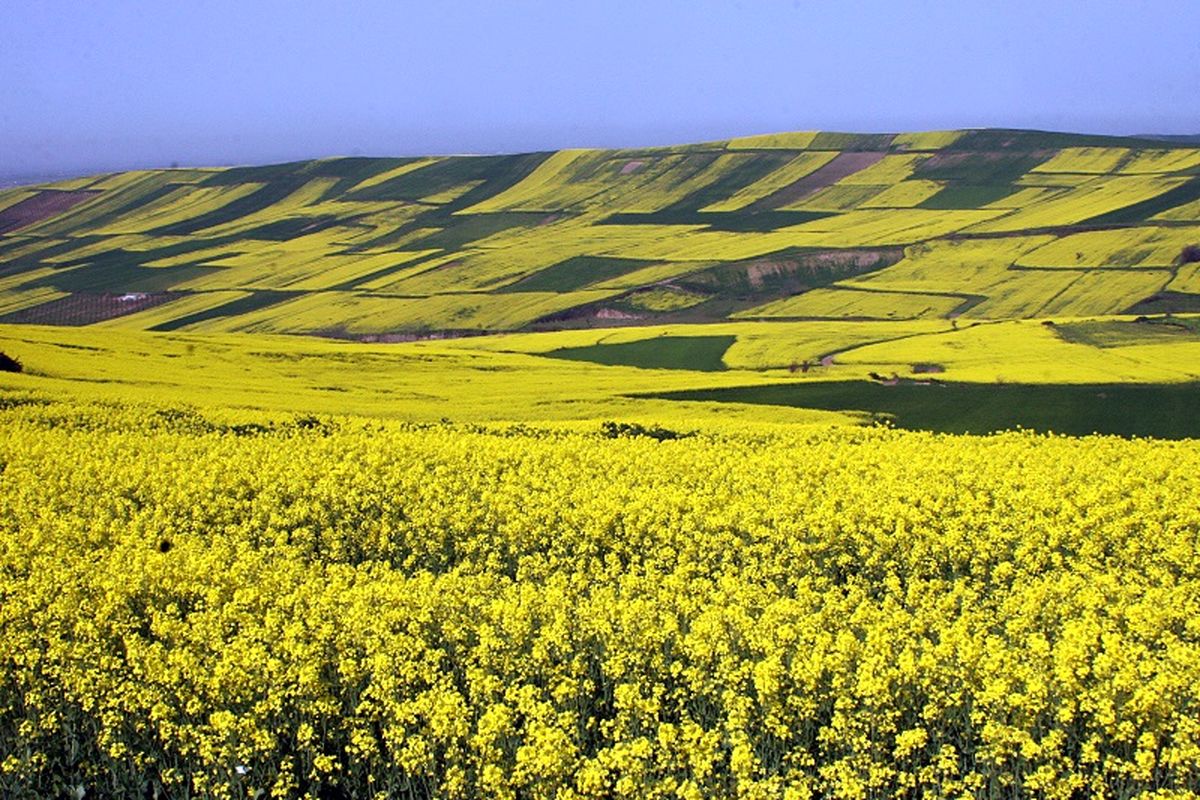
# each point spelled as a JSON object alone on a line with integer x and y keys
{"x": 93, "y": 86}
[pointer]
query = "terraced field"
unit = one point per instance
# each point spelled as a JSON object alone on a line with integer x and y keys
{"x": 786, "y": 246}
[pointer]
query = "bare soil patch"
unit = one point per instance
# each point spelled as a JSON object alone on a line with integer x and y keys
{"x": 42, "y": 205}
{"x": 84, "y": 309}
{"x": 842, "y": 166}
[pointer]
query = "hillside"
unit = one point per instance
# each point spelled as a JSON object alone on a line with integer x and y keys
{"x": 630, "y": 282}
{"x": 980, "y": 224}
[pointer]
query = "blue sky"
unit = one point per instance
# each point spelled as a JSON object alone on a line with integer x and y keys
{"x": 86, "y": 86}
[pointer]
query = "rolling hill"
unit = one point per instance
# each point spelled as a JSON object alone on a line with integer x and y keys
{"x": 985, "y": 256}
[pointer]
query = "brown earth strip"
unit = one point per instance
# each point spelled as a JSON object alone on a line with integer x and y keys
{"x": 843, "y": 165}
{"x": 84, "y": 309}
{"x": 42, "y": 205}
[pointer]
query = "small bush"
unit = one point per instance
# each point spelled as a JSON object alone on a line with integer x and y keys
{"x": 618, "y": 430}
{"x": 10, "y": 364}
{"x": 1190, "y": 254}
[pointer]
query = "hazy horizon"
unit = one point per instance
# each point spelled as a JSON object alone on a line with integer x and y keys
{"x": 97, "y": 88}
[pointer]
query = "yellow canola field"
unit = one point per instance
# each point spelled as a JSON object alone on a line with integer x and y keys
{"x": 838, "y": 197}
{"x": 926, "y": 140}
{"x": 1096, "y": 196}
{"x": 176, "y": 206}
{"x": 1028, "y": 352}
{"x": 298, "y": 265}
{"x": 904, "y": 194}
{"x": 395, "y": 172}
{"x": 1091, "y": 160}
{"x": 796, "y": 140}
{"x": 885, "y": 172}
{"x": 10, "y": 197}
{"x": 233, "y": 605}
{"x": 117, "y": 193}
{"x": 800, "y": 166}
{"x": 16, "y": 299}
{"x": 1125, "y": 247}
{"x": 1152, "y": 161}
{"x": 848, "y": 303}
{"x": 353, "y": 313}
{"x": 182, "y": 306}
{"x": 306, "y": 195}
{"x": 983, "y": 268}
{"x": 631, "y": 183}
{"x": 1187, "y": 279}
{"x": 478, "y": 379}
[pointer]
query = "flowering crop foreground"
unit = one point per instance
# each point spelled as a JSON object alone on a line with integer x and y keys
{"x": 347, "y": 608}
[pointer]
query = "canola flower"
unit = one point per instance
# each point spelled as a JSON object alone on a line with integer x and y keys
{"x": 352, "y": 608}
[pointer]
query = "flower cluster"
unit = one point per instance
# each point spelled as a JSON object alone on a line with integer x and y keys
{"x": 373, "y": 609}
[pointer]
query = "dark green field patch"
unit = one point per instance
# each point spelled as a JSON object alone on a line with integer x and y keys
{"x": 961, "y": 195}
{"x": 1116, "y": 333}
{"x": 118, "y": 276}
{"x": 349, "y": 171}
{"x": 737, "y": 221}
{"x": 242, "y": 305}
{"x": 263, "y": 174}
{"x": 576, "y": 273}
{"x": 1167, "y": 411}
{"x": 1166, "y": 303}
{"x": 698, "y": 353}
{"x": 463, "y": 229}
{"x": 1013, "y": 139}
{"x": 980, "y": 168}
{"x": 832, "y": 140}
{"x": 289, "y": 228}
{"x": 448, "y": 173}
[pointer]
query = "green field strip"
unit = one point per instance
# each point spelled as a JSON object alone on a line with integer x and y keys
{"x": 497, "y": 172}
{"x": 290, "y": 228}
{"x": 52, "y": 249}
{"x": 1123, "y": 333}
{"x": 965, "y": 196}
{"x": 402, "y": 264}
{"x": 464, "y": 229}
{"x": 979, "y": 168}
{"x": 354, "y": 170}
{"x": 698, "y": 353}
{"x": 242, "y": 305}
{"x": 267, "y": 196}
{"x": 289, "y": 171}
{"x": 116, "y": 276}
{"x": 1166, "y": 411}
{"x": 850, "y": 142}
{"x": 1167, "y": 302}
{"x": 1017, "y": 139}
